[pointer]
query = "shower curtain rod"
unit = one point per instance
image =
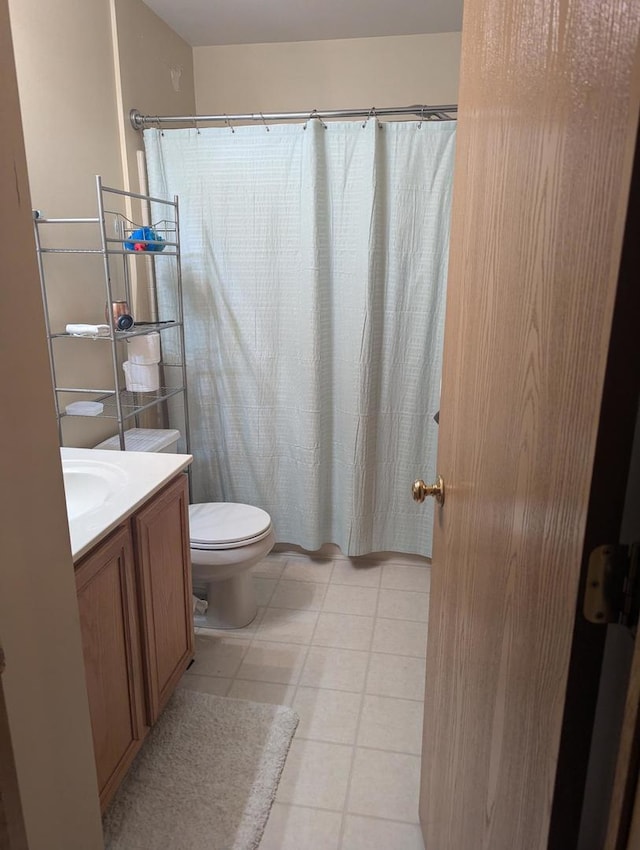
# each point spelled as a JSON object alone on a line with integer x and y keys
{"x": 140, "y": 121}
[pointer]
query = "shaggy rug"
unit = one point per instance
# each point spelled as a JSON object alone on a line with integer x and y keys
{"x": 204, "y": 779}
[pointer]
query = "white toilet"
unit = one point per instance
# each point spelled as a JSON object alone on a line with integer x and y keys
{"x": 227, "y": 539}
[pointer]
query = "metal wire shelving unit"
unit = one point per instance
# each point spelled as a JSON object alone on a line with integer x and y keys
{"x": 115, "y": 230}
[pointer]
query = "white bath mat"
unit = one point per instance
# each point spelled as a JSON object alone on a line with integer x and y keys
{"x": 205, "y": 778}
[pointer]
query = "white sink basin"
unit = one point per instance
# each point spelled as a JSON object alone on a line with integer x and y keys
{"x": 90, "y": 484}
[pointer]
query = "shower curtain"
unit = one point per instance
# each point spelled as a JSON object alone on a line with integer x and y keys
{"x": 314, "y": 265}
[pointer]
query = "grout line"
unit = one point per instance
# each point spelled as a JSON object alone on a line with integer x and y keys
{"x": 345, "y": 807}
{"x": 234, "y": 637}
{"x": 316, "y": 688}
{"x": 350, "y": 814}
{"x": 309, "y": 645}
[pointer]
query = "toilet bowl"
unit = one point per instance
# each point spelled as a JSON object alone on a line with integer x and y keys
{"x": 227, "y": 539}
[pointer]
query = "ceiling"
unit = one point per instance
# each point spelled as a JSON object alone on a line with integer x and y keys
{"x": 214, "y": 22}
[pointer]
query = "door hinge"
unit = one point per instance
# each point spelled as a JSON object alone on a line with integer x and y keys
{"x": 612, "y": 594}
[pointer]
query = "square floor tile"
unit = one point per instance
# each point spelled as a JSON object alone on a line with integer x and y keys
{"x": 403, "y": 605}
{"x": 315, "y": 774}
{"x": 205, "y": 684}
{"x": 273, "y": 662}
{"x": 400, "y": 637}
{"x": 345, "y": 599}
{"x": 298, "y": 594}
{"x": 396, "y": 676}
{"x": 264, "y": 588}
{"x": 270, "y": 692}
{"x": 405, "y": 577}
{"x": 362, "y": 833}
{"x": 295, "y": 827}
{"x": 385, "y": 785}
{"x": 306, "y": 569}
{"x": 344, "y": 631}
{"x": 287, "y": 624}
{"x": 327, "y": 715}
{"x": 217, "y": 656}
{"x": 388, "y": 723}
{"x": 365, "y": 574}
{"x": 268, "y": 568}
{"x": 341, "y": 669}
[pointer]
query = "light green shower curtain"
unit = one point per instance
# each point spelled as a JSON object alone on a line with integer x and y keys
{"x": 314, "y": 264}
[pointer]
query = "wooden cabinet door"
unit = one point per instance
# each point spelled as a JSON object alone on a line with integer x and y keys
{"x": 105, "y": 582}
{"x": 163, "y": 558}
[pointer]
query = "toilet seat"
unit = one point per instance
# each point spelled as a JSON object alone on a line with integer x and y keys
{"x": 226, "y": 525}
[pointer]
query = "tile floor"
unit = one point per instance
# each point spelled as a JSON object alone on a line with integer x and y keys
{"x": 342, "y": 642}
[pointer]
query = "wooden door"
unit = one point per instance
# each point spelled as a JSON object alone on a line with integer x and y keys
{"x": 164, "y": 571}
{"x": 105, "y": 582}
{"x": 547, "y": 122}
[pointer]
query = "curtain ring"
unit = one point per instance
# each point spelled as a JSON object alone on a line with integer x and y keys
{"x": 366, "y": 120}
{"x": 195, "y": 124}
{"x": 264, "y": 122}
{"x": 422, "y": 108}
{"x": 227, "y": 122}
{"x": 373, "y": 112}
{"x": 314, "y": 114}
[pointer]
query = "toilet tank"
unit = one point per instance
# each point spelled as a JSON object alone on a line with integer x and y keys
{"x": 145, "y": 440}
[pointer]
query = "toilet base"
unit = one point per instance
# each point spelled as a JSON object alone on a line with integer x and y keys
{"x": 232, "y": 603}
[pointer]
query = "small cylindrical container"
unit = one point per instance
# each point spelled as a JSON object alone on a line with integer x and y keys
{"x": 119, "y": 315}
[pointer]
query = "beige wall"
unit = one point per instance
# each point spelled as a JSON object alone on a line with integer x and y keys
{"x": 70, "y": 98}
{"x": 43, "y": 683}
{"x": 148, "y": 53}
{"x": 391, "y": 71}
{"x": 77, "y": 82}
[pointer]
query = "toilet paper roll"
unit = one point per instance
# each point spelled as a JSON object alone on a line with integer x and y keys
{"x": 144, "y": 349}
{"x": 141, "y": 377}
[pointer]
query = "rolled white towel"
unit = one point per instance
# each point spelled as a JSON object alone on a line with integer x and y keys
{"x": 141, "y": 378}
{"x": 144, "y": 350}
{"x": 79, "y": 329}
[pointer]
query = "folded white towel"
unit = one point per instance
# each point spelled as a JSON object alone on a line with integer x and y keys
{"x": 79, "y": 329}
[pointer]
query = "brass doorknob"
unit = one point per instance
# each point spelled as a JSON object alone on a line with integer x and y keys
{"x": 420, "y": 490}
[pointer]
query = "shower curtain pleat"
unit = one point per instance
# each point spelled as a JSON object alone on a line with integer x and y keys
{"x": 314, "y": 266}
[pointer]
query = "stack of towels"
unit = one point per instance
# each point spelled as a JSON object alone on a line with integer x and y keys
{"x": 141, "y": 370}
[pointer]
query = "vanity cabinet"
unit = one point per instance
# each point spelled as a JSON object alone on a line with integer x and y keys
{"x": 134, "y": 598}
{"x": 106, "y": 587}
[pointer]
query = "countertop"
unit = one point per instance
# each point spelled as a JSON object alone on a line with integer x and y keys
{"x": 143, "y": 474}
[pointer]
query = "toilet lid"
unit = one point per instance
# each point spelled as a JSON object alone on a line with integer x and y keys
{"x": 220, "y": 524}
